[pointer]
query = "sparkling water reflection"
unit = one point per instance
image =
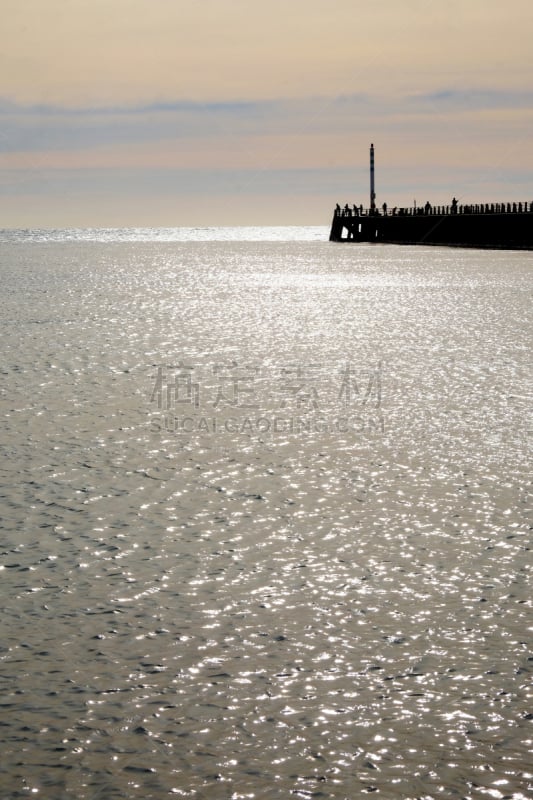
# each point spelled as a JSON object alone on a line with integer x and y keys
{"x": 258, "y": 611}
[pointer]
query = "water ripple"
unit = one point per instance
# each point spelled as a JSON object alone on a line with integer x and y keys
{"x": 234, "y": 611}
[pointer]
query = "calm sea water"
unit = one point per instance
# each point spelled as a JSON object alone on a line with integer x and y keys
{"x": 266, "y": 517}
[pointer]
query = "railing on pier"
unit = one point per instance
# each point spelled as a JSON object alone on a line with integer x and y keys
{"x": 430, "y": 210}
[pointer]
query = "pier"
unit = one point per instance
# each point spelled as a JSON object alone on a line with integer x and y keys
{"x": 505, "y": 225}
{"x": 489, "y": 225}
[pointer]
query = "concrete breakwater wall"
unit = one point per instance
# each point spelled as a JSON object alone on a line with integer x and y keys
{"x": 506, "y": 225}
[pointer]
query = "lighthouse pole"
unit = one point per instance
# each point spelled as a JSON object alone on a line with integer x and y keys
{"x": 372, "y": 187}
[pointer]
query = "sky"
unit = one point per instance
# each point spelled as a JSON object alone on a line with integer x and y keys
{"x": 240, "y": 112}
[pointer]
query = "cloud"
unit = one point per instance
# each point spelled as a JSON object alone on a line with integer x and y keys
{"x": 473, "y": 99}
{"x": 10, "y": 107}
{"x": 27, "y": 128}
{"x": 302, "y": 131}
{"x": 308, "y": 152}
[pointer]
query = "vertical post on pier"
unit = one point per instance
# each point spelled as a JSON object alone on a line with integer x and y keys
{"x": 372, "y": 187}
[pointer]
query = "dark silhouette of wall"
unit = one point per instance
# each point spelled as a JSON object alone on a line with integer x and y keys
{"x": 484, "y": 225}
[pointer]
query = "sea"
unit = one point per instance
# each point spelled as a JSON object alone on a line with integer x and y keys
{"x": 266, "y": 518}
